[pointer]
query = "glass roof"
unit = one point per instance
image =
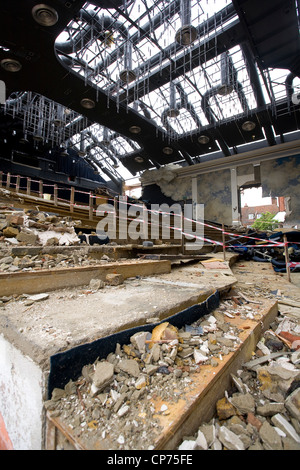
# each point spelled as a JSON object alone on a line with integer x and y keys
{"x": 140, "y": 37}
{"x": 133, "y": 54}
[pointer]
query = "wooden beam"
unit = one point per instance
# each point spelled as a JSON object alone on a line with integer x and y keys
{"x": 91, "y": 206}
{"x": 55, "y": 193}
{"x": 34, "y": 282}
{"x": 72, "y": 199}
{"x": 28, "y": 188}
{"x": 41, "y": 188}
{"x": 18, "y": 184}
{"x": 8, "y": 181}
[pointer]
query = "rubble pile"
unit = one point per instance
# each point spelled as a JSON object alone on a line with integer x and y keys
{"x": 34, "y": 227}
{"x": 122, "y": 396}
{"x": 261, "y": 411}
{"x": 25, "y": 237}
{"x": 13, "y": 263}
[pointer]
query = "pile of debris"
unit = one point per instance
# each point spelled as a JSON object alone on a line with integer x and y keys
{"x": 13, "y": 263}
{"x": 261, "y": 411}
{"x": 33, "y": 227}
{"x": 41, "y": 232}
{"x": 116, "y": 397}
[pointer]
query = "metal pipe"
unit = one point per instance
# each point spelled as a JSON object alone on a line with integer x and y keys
{"x": 289, "y": 88}
{"x": 228, "y": 75}
{"x": 185, "y": 12}
{"x": 93, "y": 20}
{"x": 253, "y": 75}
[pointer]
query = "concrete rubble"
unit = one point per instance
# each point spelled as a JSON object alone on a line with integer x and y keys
{"x": 30, "y": 240}
{"x": 261, "y": 411}
{"x": 34, "y": 227}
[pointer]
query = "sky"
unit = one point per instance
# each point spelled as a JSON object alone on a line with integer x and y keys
{"x": 253, "y": 197}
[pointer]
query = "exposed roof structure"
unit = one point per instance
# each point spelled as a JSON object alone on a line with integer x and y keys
{"x": 145, "y": 83}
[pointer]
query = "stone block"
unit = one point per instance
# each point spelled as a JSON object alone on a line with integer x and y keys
{"x": 270, "y": 437}
{"x": 103, "y": 376}
{"x": 10, "y": 232}
{"x": 292, "y": 404}
{"x": 115, "y": 279}
{"x": 15, "y": 219}
{"x": 225, "y": 409}
{"x": 27, "y": 238}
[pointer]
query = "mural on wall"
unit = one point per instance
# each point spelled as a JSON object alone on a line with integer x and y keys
{"x": 281, "y": 177}
{"x": 214, "y": 190}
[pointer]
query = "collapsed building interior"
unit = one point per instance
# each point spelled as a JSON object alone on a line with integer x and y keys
{"x": 124, "y": 320}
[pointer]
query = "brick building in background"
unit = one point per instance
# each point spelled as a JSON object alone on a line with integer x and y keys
{"x": 251, "y": 214}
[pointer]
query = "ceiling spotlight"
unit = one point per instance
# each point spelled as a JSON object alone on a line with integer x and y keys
{"x": 87, "y": 103}
{"x": 11, "y": 65}
{"x": 186, "y": 35}
{"x": 203, "y": 139}
{"x": 167, "y": 150}
{"x": 44, "y": 15}
{"x": 173, "y": 113}
{"x": 24, "y": 140}
{"x": 127, "y": 76}
{"x": 64, "y": 153}
{"x": 139, "y": 159}
{"x": 224, "y": 90}
{"x": 38, "y": 138}
{"x": 248, "y": 126}
{"x": 135, "y": 129}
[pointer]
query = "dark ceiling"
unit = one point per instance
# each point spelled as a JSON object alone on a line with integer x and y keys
{"x": 242, "y": 42}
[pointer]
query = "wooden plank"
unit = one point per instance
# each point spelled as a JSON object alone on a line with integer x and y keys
{"x": 18, "y": 183}
{"x": 8, "y": 181}
{"x": 51, "y": 430}
{"x": 172, "y": 257}
{"x": 91, "y": 206}
{"x": 197, "y": 402}
{"x": 72, "y": 199}
{"x": 54, "y": 429}
{"x": 28, "y": 188}
{"x": 55, "y": 192}
{"x": 34, "y": 282}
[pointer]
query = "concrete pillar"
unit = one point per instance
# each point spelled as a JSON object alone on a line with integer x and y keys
{"x": 234, "y": 197}
{"x": 195, "y": 196}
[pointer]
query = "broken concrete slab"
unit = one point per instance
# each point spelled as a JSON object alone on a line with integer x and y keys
{"x": 281, "y": 422}
{"x": 103, "y": 375}
{"x": 269, "y": 437}
{"x": 133, "y": 303}
{"x": 292, "y": 403}
{"x": 130, "y": 366}
{"x": 27, "y": 238}
{"x": 230, "y": 440}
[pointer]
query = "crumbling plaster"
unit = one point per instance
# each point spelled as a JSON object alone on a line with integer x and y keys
{"x": 217, "y": 208}
{"x": 218, "y": 190}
